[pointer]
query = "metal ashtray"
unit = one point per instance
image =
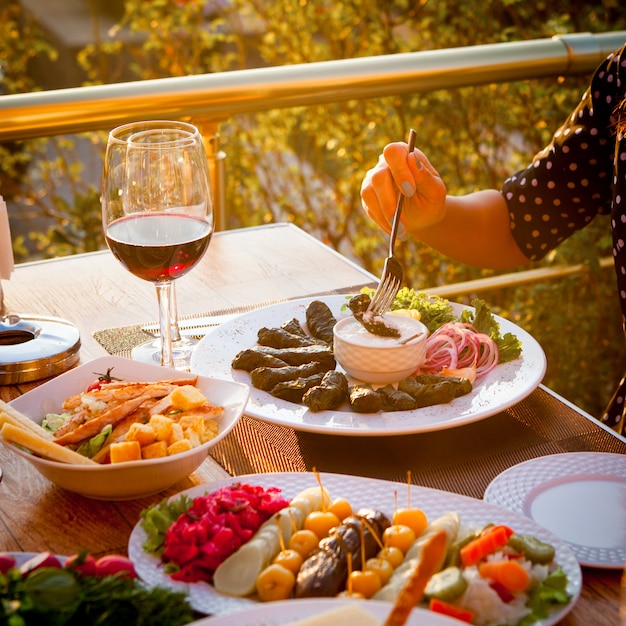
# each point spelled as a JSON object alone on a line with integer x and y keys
{"x": 35, "y": 347}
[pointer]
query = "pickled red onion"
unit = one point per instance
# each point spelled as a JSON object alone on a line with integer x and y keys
{"x": 456, "y": 345}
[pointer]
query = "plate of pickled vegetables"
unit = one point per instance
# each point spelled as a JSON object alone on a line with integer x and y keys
{"x": 229, "y": 545}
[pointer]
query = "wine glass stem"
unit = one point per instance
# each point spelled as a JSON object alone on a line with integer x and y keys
{"x": 175, "y": 331}
{"x": 164, "y": 291}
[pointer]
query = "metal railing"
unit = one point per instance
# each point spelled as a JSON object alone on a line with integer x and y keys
{"x": 209, "y": 99}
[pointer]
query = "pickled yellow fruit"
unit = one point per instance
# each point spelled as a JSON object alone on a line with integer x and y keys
{"x": 393, "y": 555}
{"x": 274, "y": 583}
{"x": 365, "y": 582}
{"x": 382, "y": 567}
{"x": 341, "y": 508}
{"x": 291, "y": 559}
{"x": 304, "y": 542}
{"x": 415, "y": 519}
{"x": 321, "y": 522}
{"x": 399, "y": 536}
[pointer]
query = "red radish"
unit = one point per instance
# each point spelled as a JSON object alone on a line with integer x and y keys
{"x": 83, "y": 563}
{"x": 115, "y": 564}
{"x": 43, "y": 559}
{"x": 7, "y": 562}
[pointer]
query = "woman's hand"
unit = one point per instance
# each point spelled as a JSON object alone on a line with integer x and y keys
{"x": 425, "y": 203}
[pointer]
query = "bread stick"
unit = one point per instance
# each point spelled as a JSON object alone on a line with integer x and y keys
{"x": 42, "y": 446}
{"x": 11, "y": 415}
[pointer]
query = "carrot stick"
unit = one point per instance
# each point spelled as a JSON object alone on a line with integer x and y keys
{"x": 429, "y": 561}
{"x": 510, "y": 574}
{"x": 445, "y": 608}
{"x": 489, "y": 541}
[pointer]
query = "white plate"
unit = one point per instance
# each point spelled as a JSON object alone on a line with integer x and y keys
{"x": 277, "y": 613}
{"x": 579, "y": 496}
{"x": 503, "y": 387}
{"x": 361, "y": 492}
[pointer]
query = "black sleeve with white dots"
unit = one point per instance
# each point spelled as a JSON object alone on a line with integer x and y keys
{"x": 569, "y": 182}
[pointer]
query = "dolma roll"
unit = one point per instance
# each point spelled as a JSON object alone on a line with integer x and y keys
{"x": 265, "y": 378}
{"x": 320, "y": 321}
{"x": 250, "y": 359}
{"x": 281, "y": 338}
{"x": 294, "y": 390}
{"x": 298, "y": 356}
{"x": 294, "y": 327}
{"x": 396, "y": 399}
{"x": 375, "y": 324}
{"x": 364, "y": 399}
{"x": 330, "y": 394}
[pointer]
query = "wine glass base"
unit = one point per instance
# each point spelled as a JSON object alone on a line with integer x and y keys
{"x": 150, "y": 352}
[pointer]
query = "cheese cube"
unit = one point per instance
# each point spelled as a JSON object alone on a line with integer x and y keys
{"x": 155, "y": 450}
{"x": 187, "y": 397}
{"x": 162, "y": 427}
{"x": 143, "y": 433}
{"x": 125, "y": 451}
{"x": 179, "y": 446}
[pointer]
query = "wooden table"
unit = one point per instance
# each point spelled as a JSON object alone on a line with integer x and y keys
{"x": 246, "y": 268}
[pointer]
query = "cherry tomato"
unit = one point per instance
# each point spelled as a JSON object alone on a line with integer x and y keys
{"x": 102, "y": 379}
{"x": 82, "y": 562}
{"x": 115, "y": 564}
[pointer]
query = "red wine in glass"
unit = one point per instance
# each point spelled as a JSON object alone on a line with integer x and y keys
{"x": 158, "y": 246}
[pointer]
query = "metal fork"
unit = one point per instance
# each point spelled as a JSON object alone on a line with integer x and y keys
{"x": 392, "y": 275}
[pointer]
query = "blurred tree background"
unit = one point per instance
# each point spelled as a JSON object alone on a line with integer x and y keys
{"x": 305, "y": 165}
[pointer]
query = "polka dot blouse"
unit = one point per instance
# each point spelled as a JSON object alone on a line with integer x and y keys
{"x": 580, "y": 174}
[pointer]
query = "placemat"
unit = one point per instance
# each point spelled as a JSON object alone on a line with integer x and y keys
{"x": 121, "y": 340}
{"x": 463, "y": 460}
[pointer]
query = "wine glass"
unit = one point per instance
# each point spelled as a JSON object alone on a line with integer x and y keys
{"x": 157, "y": 215}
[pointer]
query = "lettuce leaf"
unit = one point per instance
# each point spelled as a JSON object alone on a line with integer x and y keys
{"x": 546, "y": 596}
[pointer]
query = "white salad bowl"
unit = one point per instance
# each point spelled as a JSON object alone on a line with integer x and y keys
{"x": 374, "y": 359}
{"x": 132, "y": 479}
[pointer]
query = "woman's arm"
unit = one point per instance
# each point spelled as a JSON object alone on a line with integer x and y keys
{"x": 472, "y": 229}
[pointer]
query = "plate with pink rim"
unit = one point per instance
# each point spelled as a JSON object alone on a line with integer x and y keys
{"x": 361, "y": 493}
{"x": 579, "y": 496}
{"x": 503, "y": 387}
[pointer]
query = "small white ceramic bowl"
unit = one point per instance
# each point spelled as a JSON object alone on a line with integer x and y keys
{"x": 133, "y": 479}
{"x": 374, "y": 359}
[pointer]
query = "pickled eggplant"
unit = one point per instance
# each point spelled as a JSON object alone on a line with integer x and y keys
{"x": 330, "y": 394}
{"x": 320, "y": 321}
{"x": 325, "y": 572}
{"x": 375, "y": 324}
{"x": 250, "y": 359}
{"x": 364, "y": 399}
{"x": 281, "y": 338}
{"x": 265, "y": 378}
{"x": 294, "y": 390}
